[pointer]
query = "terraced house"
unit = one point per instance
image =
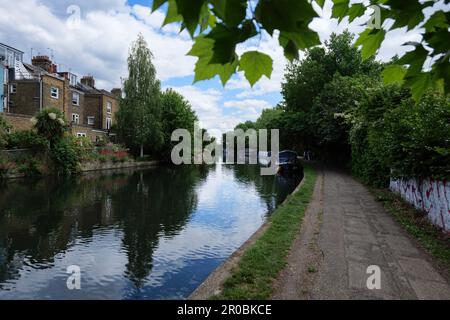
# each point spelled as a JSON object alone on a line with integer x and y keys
{"x": 32, "y": 87}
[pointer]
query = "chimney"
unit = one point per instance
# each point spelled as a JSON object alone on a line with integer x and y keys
{"x": 43, "y": 62}
{"x": 117, "y": 92}
{"x": 88, "y": 81}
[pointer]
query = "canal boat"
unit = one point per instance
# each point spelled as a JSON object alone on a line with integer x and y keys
{"x": 289, "y": 161}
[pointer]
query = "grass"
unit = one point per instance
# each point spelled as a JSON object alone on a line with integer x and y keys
{"x": 433, "y": 240}
{"x": 253, "y": 277}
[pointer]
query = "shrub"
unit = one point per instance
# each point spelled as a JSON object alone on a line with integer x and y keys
{"x": 115, "y": 159}
{"x": 65, "y": 155}
{"x": 85, "y": 148}
{"x": 27, "y": 140}
{"x": 50, "y": 123}
{"x": 29, "y": 166}
{"x": 417, "y": 138}
{"x": 392, "y": 136}
{"x": 4, "y": 127}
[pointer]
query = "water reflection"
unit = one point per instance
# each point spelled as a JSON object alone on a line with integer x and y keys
{"x": 136, "y": 235}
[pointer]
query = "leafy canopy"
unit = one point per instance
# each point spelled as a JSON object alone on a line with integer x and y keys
{"x": 139, "y": 115}
{"x": 218, "y": 26}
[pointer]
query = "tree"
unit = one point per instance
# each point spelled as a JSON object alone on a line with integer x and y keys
{"x": 218, "y": 26}
{"x": 139, "y": 115}
{"x": 328, "y": 81}
{"x": 177, "y": 113}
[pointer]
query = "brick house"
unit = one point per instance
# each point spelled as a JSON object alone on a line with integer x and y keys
{"x": 89, "y": 110}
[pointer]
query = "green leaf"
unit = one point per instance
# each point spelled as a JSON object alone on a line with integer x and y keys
{"x": 320, "y": 3}
{"x": 394, "y": 73}
{"x": 415, "y": 59}
{"x": 205, "y": 71}
{"x": 172, "y": 13}
{"x": 370, "y": 40}
{"x": 157, "y": 4}
{"x": 340, "y": 9}
{"x": 284, "y": 15}
{"x": 438, "y": 40}
{"x": 231, "y": 12}
{"x": 256, "y": 64}
{"x": 203, "y": 49}
{"x": 419, "y": 84}
{"x": 355, "y": 11}
{"x": 437, "y": 20}
{"x": 190, "y": 11}
{"x": 303, "y": 40}
{"x": 226, "y": 38}
{"x": 225, "y": 41}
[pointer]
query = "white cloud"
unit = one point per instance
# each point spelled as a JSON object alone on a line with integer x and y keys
{"x": 100, "y": 45}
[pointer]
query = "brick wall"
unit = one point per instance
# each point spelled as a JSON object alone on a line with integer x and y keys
{"x": 18, "y": 121}
{"x": 62, "y": 100}
{"x": 80, "y": 109}
{"x": 26, "y": 99}
{"x": 93, "y": 108}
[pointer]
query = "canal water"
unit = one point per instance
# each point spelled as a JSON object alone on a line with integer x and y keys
{"x": 150, "y": 234}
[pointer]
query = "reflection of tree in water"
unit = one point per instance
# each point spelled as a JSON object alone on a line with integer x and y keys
{"x": 39, "y": 219}
{"x": 272, "y": 189}
{"x": 160, "y": 205}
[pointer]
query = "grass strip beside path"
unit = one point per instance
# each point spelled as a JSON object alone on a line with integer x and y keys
{"x": 253, "y": 278}
{"x": 417, "y": 225}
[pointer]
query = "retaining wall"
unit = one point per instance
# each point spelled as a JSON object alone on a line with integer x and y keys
{"x": 428, "y": 195}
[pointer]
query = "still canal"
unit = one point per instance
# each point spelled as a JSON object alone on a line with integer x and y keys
{"x": 150, "y": 234}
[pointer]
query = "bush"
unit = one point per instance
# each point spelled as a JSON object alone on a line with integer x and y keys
{"x": 27, "y": 140}
{"x": 4, "y": 127}
{"x": 30, "y": 167}
{"x": 50, "y": 123}
{"x": 417, "y": 138}
{"x": 65, "y": 155}
{"x": 85, "y": 148}
{"x": 392, "y": 136}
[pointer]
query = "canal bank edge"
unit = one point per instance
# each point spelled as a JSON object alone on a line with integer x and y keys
{"x": 96, "y": 166}
{"x": 213, "y": 286}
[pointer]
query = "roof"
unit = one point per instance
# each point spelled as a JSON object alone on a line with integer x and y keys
{"x": 9, "y": 47}
{"x": 88, "y": 89}
{"x": 36, "y": 71}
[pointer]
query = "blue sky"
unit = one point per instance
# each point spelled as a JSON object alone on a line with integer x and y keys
{"x": 97, "y": 41}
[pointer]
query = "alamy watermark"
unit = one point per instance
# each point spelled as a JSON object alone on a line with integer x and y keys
{"x": 73, "y": 22}
{"x": 74, "y": 280}
{"x": 375, "y": 18}
{"x": 374, "y": 280}
{"x": 192, "y": 149}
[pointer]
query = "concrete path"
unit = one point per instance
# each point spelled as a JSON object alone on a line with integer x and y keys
{"x": 344, "y": 232}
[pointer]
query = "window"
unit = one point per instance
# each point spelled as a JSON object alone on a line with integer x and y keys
{"x": 91, "y": 121}
{"x": 109, "y": 107}
{"x": 81, "y": 135}
{"x": 73, "y": 79}
{"x": 13, "y": 88}
{"x": 54, "y": 93}
{"x": 108, "y": 123}
{"x": 75, "y": 98}
{"x": 75, "y": 118}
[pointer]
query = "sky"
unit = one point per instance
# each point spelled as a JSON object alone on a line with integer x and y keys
{"x": 98, "y": 44}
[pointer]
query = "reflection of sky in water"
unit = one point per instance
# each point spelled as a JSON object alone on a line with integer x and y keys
{"x": 227, "y": 213}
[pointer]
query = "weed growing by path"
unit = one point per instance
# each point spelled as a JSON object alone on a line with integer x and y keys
{"x": 417, "y": 225}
